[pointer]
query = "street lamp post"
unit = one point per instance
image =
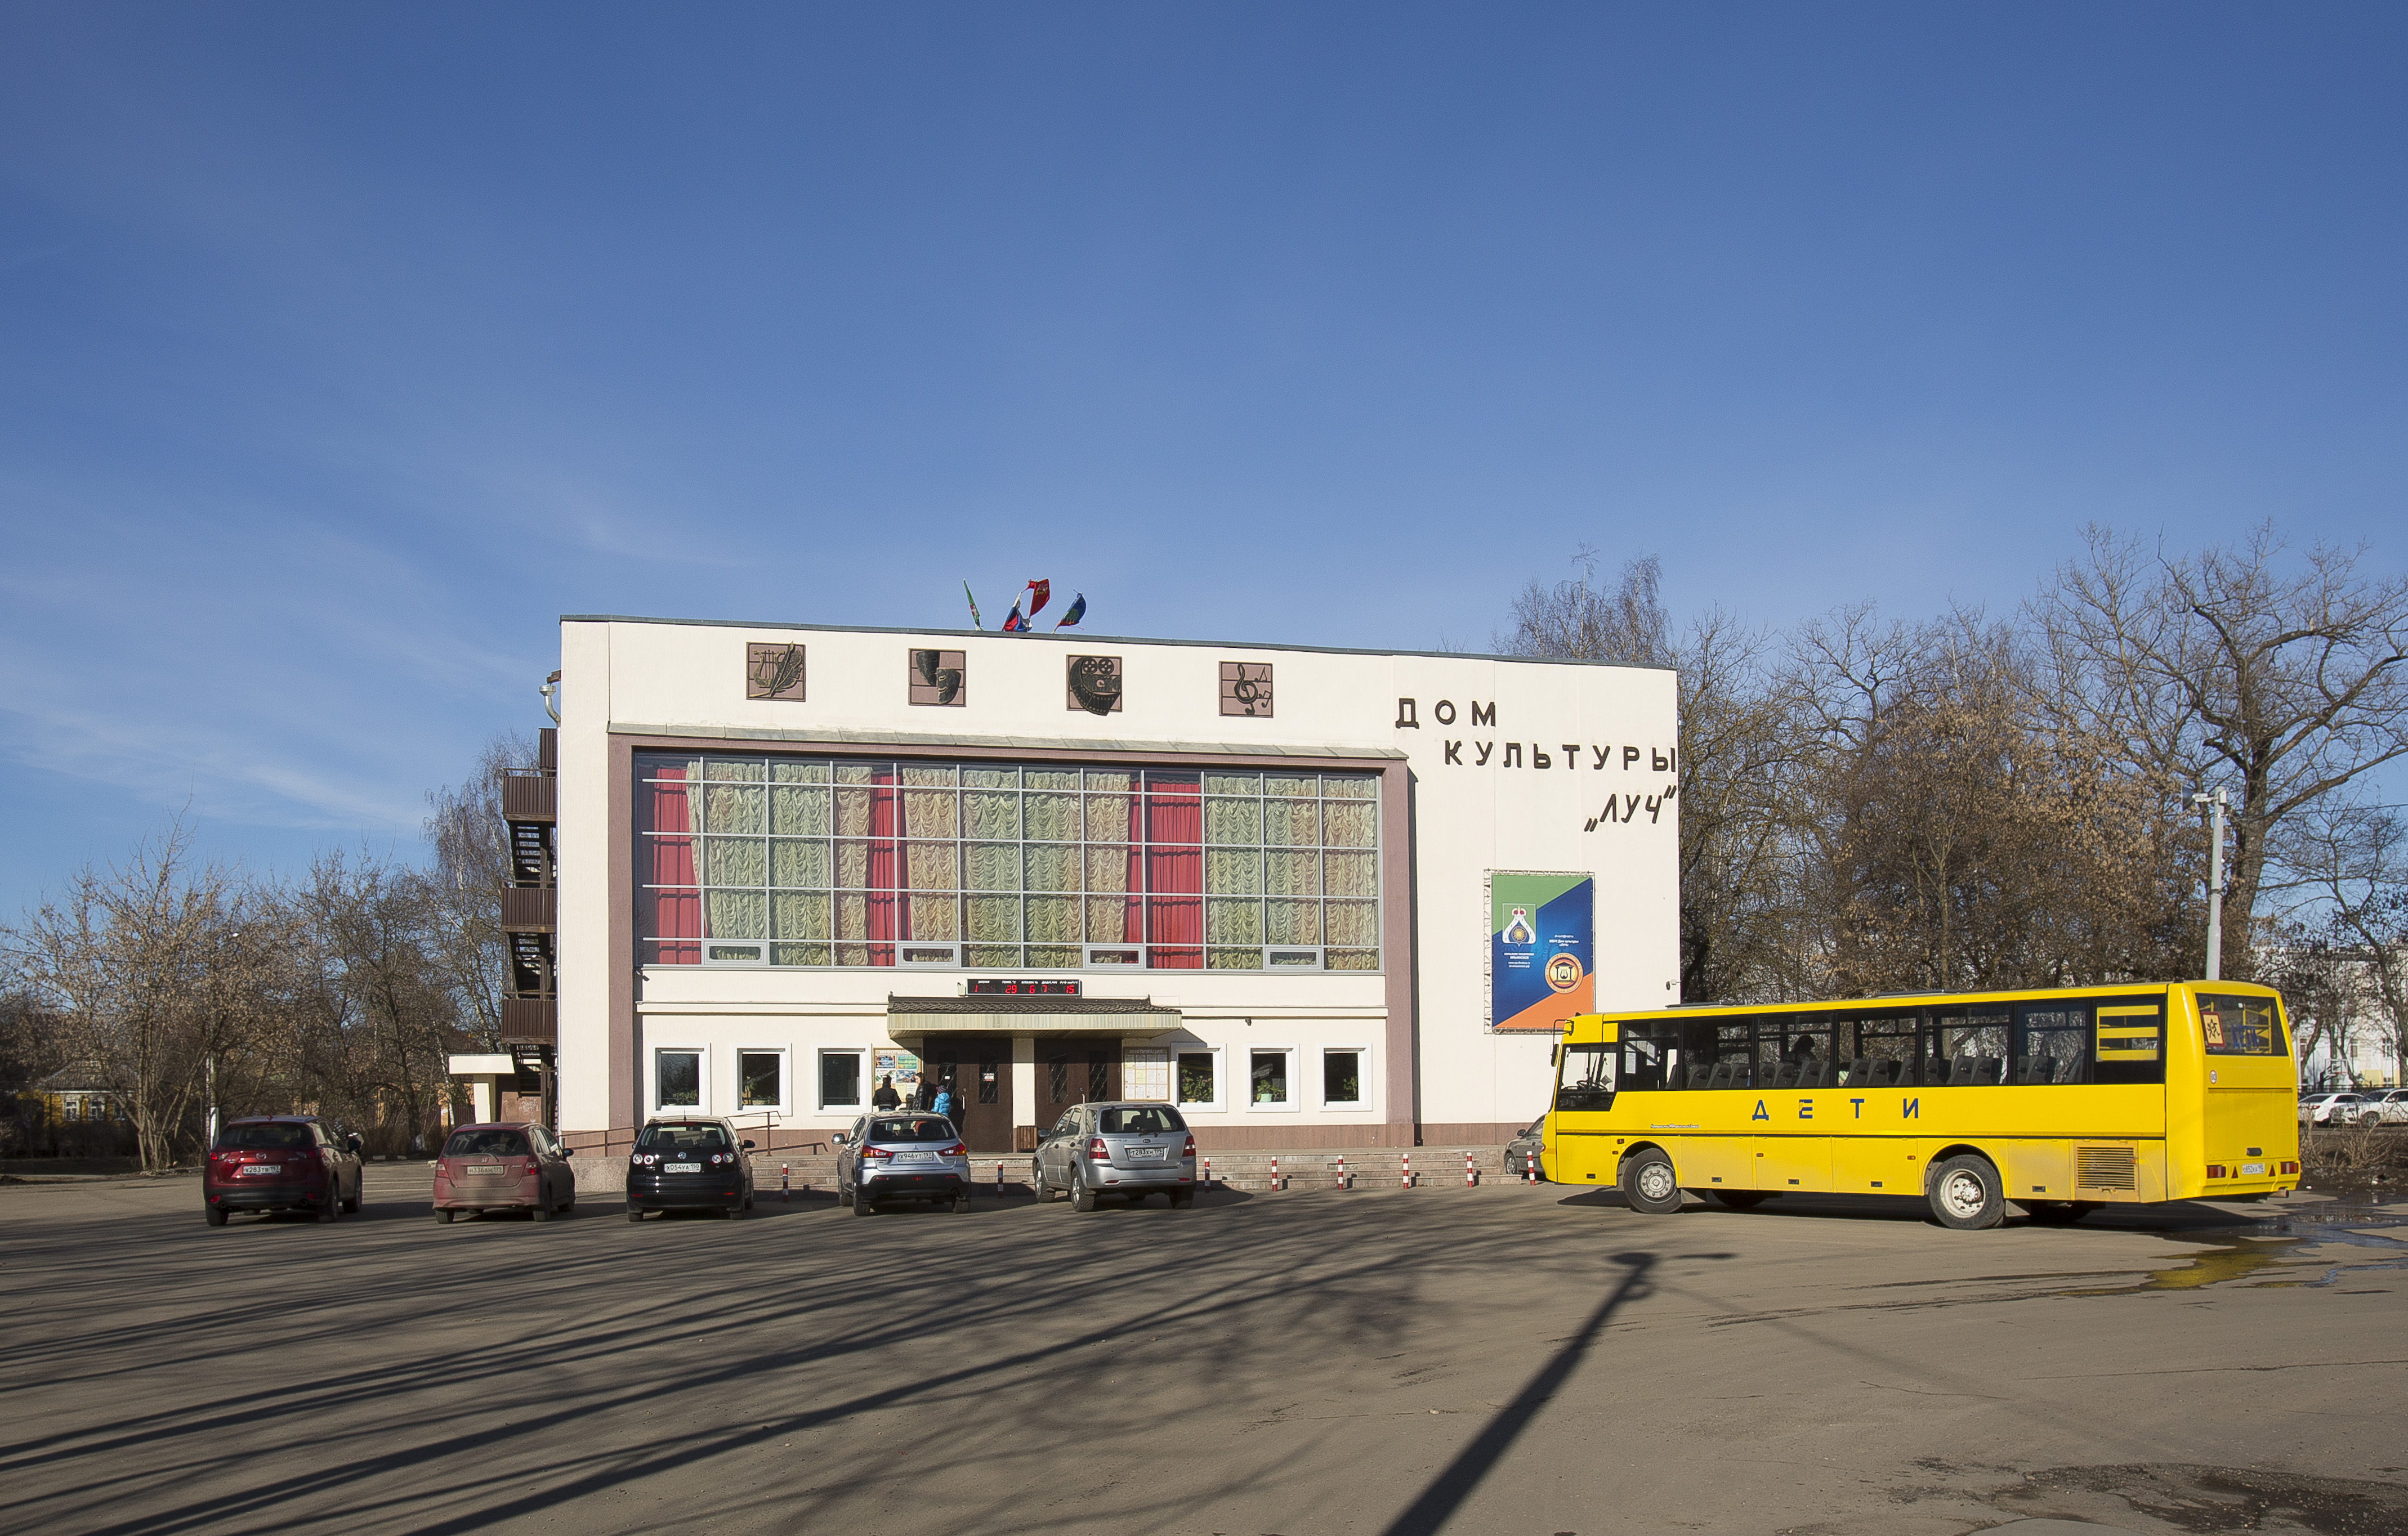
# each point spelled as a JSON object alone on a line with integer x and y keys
{"x": 2213, "y": 805}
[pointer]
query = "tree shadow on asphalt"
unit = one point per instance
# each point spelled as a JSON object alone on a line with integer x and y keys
{"x": 810, "y": 1326}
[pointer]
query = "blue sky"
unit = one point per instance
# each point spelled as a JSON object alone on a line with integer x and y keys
{"x": 343, "y": 349}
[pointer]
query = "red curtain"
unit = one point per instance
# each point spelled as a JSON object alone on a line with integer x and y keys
{"x": 674, "y": 917}
{"x": 884, "y": 917}
{"x": 1174, "y": 870}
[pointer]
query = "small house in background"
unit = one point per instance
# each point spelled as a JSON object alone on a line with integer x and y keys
{"x": 81, "y": 1094}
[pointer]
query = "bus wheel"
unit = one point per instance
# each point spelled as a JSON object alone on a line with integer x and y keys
{"x": 1648, "y": 1184}
{"x": 1743, "y": 1199}
{"x": 1965, "y": 1194}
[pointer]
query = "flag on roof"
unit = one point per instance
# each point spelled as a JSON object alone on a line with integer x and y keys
{"x": 1077, "y": 611}
{"x": 1037, "y": 592}
{"x": 975, "y": 622}
{"x": 1013, "y": 621}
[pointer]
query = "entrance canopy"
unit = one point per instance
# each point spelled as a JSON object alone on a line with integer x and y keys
{"x": 1004, "y": 1015}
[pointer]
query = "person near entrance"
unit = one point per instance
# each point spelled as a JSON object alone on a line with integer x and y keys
{"x": 945, "y": 1104}
{"x": 887, "y": 1098}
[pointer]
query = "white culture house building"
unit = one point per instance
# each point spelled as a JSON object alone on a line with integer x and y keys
{"x": 1317, "y": 898}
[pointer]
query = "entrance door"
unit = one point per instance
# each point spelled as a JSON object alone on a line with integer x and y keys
{"x": 1073, "y": 1069}
{"x": 978, "y": 1068}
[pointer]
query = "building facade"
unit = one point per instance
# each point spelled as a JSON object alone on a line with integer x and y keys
{"x": 1317, "y": 897}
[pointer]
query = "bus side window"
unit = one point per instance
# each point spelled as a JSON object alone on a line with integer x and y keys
{"x": 2130, "y": 1042}
{"x": 2050, "y": 1041}
{"x": 1973, "y": 1047}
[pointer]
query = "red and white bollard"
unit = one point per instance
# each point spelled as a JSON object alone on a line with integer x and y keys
{"x": 1275, "y": 1184}
{"x": 1469, "y": 1178}
{"x": 998, "y": 1178}
{"x": 1407, "y": 1181}
{"x": 1342, "y": 1181}
{"x": 1205, "y": 1178}
{"x": 1530, "y": 1171}
{"x": 785, "y": 1182}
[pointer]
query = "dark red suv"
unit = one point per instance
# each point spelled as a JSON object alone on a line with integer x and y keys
{"x": 281, "y": 1163}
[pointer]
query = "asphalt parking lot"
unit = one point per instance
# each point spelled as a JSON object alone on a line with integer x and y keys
{"x": 1503, "y": 1360}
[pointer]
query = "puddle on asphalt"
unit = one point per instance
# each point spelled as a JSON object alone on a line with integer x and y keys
{"x": 2288, "y": 1242}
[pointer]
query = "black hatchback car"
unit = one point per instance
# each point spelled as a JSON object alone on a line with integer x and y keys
{"x": 689, "y": 1163}
{"x": 281, "y": 1162}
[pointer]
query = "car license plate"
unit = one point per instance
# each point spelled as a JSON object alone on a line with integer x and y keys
{"x": 489, "y": 1171}
{"x": 2253, "y": 1169}
{"x": 681, "y": 1168}
{"x": 915, "y": 1156}
{"x": 258, "y": 1169}
{"x": 1147, "y": 1154}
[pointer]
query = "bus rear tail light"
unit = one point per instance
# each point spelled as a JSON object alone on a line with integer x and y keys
{"x": 2216, "y": 1170}
{"x": 1097, "y": 1151}
{"x": 2290, "y": 1168}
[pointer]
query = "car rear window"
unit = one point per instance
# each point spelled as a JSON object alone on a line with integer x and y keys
{"x": 683, "y": 1138}
{"x": 1138, "y": 1120}
{"x": 264, "y": 1138}
{"x": 913, "y": 1128}
{"x": 485, "y": 1143}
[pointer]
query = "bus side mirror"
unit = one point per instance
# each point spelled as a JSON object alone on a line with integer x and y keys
{"x": 1555, "y": 1058}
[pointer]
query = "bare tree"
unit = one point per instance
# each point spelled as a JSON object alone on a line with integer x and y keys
{"x": 123, "y": 959}
{"x": 376, "y": 1007}
{"x": 2281, "y": 680}
{"x": 1732, "y": 763}
{"x": 472, "y": 866}
{"x": 2358, "y": 859}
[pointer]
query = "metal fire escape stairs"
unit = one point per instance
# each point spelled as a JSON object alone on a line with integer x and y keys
{"x": 531, "y": 921}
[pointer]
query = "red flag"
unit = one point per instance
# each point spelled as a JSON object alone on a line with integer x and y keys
{"x": 1038, "y": 591}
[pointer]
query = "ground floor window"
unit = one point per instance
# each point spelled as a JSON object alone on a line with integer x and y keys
{"x": 677, "y": 1079}
{"x": 1268, "y": 1074}
{"x": 1341, "y": 1079}
{"x": 1200, "y": 1080}
{"x": 761, "y": 1080}
{"x": 840, "y": 1079}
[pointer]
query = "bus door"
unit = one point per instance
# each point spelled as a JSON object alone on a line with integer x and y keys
{"x": 1800, "y": 1100}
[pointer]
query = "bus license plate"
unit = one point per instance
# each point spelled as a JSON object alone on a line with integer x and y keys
{"x": 2253, "y": 1169}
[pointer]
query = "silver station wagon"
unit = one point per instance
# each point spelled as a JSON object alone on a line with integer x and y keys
{"x": 1116, "y": 1148}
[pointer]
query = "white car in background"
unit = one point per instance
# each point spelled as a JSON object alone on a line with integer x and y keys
{"x": 2332, "y": 1109}
{"x": 2390, "y": 1103}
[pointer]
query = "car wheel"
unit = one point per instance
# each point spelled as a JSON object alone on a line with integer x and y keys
{"x": 541, "y": 1213}
{"x": 332, "y": 1209}
{"x": 442, "y": 1216}
{"x": 635, "y": 1215}
{"x": 359, "y": 1192}
{"x": 215, "y": 1216}
{"x": 1037, "y": 1182}
{"x": 1965, "y": 1194}
{"x": 962, "y": 1204}
{"x": 1649, "y": 1185}
{"x": 1082, "y": 1198}
{"x": 862, "y": 1207}
{"x": 1180, "y": 1202}
{"x": 2371, "y": 1121}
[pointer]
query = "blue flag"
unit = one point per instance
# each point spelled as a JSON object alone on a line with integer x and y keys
{"x": 1077, "y": 611}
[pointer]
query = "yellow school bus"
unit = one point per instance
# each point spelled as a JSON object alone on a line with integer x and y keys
{"x": 2059, "y": 1100}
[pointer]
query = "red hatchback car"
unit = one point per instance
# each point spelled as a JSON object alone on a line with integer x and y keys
{"x": 503, "y": 1166}
{"x": 281, "y": 1162}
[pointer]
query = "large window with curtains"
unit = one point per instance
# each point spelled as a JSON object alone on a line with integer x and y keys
{"x": 772, "y": 861}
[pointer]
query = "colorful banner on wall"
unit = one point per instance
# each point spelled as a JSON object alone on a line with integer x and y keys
{"x": 1542, "y": 948}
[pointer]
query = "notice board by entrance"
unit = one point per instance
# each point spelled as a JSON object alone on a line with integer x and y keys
{"x": 1542, "y": 948}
